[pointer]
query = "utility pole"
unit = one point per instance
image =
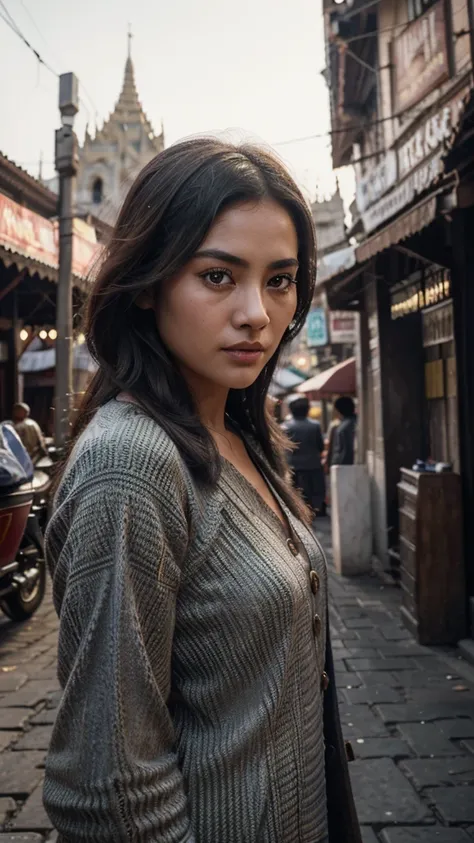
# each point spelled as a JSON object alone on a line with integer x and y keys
{"x": 66, "y": 155}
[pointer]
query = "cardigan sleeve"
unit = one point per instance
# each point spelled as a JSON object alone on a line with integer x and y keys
{"x": 112, "y": 772}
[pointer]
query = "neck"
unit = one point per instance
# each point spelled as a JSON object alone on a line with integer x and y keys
{"x": 210, "y": 400}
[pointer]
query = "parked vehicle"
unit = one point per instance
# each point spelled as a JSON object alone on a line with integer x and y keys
{"x": 23, "y": 516}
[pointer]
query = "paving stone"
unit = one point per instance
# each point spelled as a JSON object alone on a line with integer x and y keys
{"x": 417, "y": 679}
{"x": 383, "y": 794}
{"x": 34, "y": 692}
{"x": 395, "y": 633}
{"x": 358, "y": 623}
{"x": 381, "y": 748}
{"x": 380, "y": 664}
{"x": 434, "y": 834}
{"x": 468, "y": 746}
{"x": 441, "y": 694}
{"x": 44, "y": 718}
{"x": 462, "y": 727}
{"x": 374, "y": 694}
{"x": 53, "y": 838}
{"x": 380, "y": 677}
{"x": 362, "y": 652}
{"x": 438, "y": 772}
{"x": 38, "y": 737}
{"x": 428, "y": 740}
{"x": 413, "y": 713}
{"x": 33, "y": 816}
{"x": 344, "y": 679}
{"x": 454, "y": 806}
{"x": 11, "y": 837}
{"x": 12, "y": 680}
{"x": 368, "y": 836}
{"x": 360, "y": 722}
{"x": 404, "y": 648}
{"x": 19, "y": 776}
{"x": 13, "y": 718}
{"x": 6, "y": 738}
{"x": 7, "y": 806}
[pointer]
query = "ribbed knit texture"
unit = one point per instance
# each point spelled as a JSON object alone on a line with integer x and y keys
{"x": 188, "y": 653}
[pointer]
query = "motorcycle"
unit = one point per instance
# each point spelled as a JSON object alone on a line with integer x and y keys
{"x": 23, "y": 517}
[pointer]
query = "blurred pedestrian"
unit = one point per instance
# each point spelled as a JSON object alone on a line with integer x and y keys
{"x": 199, "y": 702}
{"x": 343, "y": 438}
{"x": 305, "y": 457}
{"x": 29, "y": 432}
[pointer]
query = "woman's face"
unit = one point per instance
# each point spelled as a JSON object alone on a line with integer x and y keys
{"x": 224, "y": 315}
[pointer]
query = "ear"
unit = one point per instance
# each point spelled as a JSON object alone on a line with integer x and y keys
{"x": 144, "y": 300}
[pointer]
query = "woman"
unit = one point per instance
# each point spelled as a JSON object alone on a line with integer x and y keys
{"x": 192, "y": 595}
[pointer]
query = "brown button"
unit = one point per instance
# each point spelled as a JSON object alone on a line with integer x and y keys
{"x": 317, "y": 625}
{"x": 324, "y": 681}
{"x": 314, "y": 580}
{"x": 292, "y": 547}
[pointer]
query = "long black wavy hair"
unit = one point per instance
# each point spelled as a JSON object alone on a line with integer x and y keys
{"x": 164, "y": 219}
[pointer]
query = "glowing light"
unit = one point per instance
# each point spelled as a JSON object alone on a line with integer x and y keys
{"x": 53, "y": 334}
{"x": 81, "y": 339}
{"x": 43, "y": 335}
{"x": 24, "y": 334}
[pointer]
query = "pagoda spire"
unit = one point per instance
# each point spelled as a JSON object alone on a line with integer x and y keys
{"x": 128, "y": 100}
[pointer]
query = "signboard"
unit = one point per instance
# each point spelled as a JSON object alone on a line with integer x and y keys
{"x": 425, "y": 147}
{"x": 412, "y": 296}
{"x": 316, "y": 328}
{"x": 420, "y": 58}
{"x": 342, "y": 327}
{"x": 36, "y": 237}
{"x": 27, "y": 233}
{"x": 429, "y": 137}
{"x": 379, "y": 179}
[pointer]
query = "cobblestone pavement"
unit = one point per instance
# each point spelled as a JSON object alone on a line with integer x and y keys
{"x": 408, "y": 710}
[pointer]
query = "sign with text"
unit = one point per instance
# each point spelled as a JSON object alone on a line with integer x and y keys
{"x": 316, "y": 328}
{"x": 420, "y": 58}
{"x": 377, "y": 181}
{"x": 342, "y": 327}
{"x": 36, "y": 237}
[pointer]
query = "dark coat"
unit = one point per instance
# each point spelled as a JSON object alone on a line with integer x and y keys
{"x": 342, "y": 816}
{"x": 342, "y": 451}
{"x": 307, "y": 437}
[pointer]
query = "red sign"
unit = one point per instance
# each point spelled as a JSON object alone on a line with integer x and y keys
{"x": 420, "y": 58}
{"x": 27, "y": 233}
{"x": 33, "y": 236}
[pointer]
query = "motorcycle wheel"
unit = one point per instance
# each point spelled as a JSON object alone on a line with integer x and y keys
{"x": 21, "y": 604}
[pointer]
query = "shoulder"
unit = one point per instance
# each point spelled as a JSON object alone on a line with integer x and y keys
{"x": 123, "y": 446}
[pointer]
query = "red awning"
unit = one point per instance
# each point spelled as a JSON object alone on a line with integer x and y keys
{"x": 34, "y": 238}
{"x": 339, "y": 380}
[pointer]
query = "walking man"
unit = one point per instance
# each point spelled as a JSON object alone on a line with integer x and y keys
{"x": 305, "y": 459}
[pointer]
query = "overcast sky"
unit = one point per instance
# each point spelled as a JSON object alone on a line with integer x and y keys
{"x": 251, "y": 65}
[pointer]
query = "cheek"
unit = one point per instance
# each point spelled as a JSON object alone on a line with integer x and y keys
{"x": 185, "y": 318}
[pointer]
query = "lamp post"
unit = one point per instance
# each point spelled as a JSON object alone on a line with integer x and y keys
{"x": 66, "y": 159}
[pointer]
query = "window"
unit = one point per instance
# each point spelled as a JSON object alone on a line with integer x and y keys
{"x": 97, "y": 191}
{"x": 418, "y": 7}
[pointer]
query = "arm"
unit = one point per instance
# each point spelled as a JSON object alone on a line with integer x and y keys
{"x": 112, "y": 772}
{"x": 319, "y": 439}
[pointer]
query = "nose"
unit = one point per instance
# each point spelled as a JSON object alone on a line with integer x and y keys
{"x": 251, "y": 311}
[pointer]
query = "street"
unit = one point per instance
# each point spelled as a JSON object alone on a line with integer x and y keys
{"x": 408, "y": 711}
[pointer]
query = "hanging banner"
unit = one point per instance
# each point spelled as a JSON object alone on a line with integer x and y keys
{"x": 420, "y": 58}
{"x": 316, "y": 328}
{"x": 342, "y": 327}
{"x": 36, "y": 237}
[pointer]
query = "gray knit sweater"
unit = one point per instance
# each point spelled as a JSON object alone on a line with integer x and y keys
{"x": 191, "y": 648}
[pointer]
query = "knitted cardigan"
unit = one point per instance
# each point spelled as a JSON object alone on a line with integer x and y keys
{"x": 191, "y": 648}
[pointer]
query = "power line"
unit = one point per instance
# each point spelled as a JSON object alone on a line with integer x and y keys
{"x": 9, "y": 20}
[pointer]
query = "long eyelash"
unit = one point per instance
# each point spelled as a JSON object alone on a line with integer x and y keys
{"x": 222, "y": 269}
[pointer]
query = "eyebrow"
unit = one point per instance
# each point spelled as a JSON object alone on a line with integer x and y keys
{"x": 218, "y": 254}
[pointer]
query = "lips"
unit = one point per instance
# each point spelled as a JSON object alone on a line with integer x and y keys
{"x": 245, "y": 352}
